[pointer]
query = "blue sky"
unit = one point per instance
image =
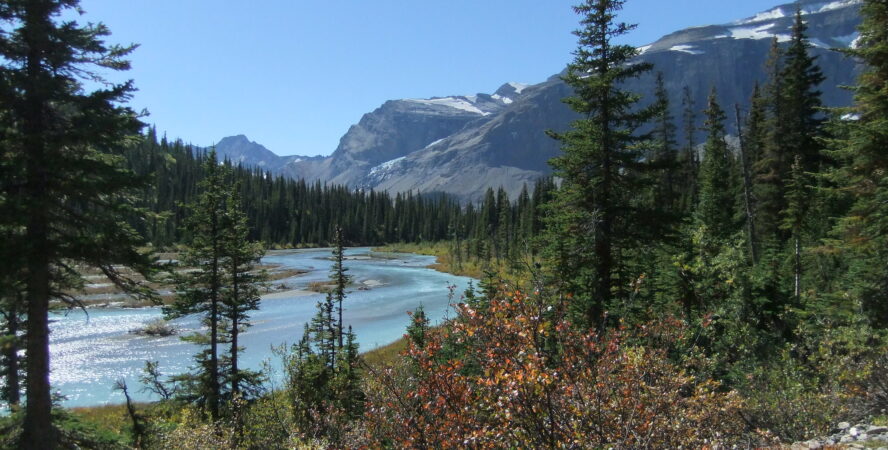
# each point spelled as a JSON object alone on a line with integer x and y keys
{"x": 293, "y": 75}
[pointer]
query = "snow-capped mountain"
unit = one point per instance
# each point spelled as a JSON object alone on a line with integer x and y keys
{"x": 464, "y": 144}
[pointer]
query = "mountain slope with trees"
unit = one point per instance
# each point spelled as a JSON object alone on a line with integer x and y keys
{"x": 465, "y": 148}
{"x": 742, "y": 306}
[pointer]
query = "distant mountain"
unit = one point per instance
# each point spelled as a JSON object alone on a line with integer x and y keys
{"x": 464, "y": 144}
{"x": 242, "y": 151}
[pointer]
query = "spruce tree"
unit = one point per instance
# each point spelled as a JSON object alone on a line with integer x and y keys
{"x": 716, "y": 197}
{"x": 773, "y": 164}
{"x": 593, "y": 218}
{"x": 324, "y": 377}
{"x": 663, "y": 154}
{"x": 201, "y": 291}
{"x": 863, "y": 172}
{"x": 688, "y": 161}
{"x": 340, "y": 280}
{"x": 751, "y": 148}
{"x": 242, "y": 293}
{"x": 794, "y": 219}
{"x": 800, "y": 121}
{"x": 61, "y": 151}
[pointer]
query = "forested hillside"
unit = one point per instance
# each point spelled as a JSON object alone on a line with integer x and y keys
{"x": 290, "y": 213}
{"x": 662, "y": 295}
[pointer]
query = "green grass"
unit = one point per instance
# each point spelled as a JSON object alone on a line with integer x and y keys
{"x": 386, "y": 355}
{"x": 444, "y": 260}
{"x": 110, "y": 418}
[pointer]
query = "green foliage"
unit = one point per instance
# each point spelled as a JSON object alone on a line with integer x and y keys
{"x": 65, "y": 195}
{"x": 594, "y": 217}
{"x": 323, "y": 377}
{"x": 862, "y": 173}
{"x": 714, "y": 212}
{"x": 221, "y": 288}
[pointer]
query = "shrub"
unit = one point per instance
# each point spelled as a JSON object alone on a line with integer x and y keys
{"x": 536, "y": 381}
{"x": 156, "y": 328}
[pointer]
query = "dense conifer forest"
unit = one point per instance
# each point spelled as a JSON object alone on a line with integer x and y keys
{"x": 663, "y": 293}
{"x": 292, "y": 213}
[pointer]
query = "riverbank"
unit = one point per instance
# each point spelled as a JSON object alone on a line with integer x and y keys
{"x": 99, "y": 292}
{"x": 445, "y": 262}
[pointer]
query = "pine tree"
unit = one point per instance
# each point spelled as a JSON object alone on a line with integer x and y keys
{"x": 340, "y": 281}
{"x": 714, "y": 211}
{"x": 242, "y": 294}
{"x": 800, "y": 121}
{"x": 773, "y": 165}
{"x": 794, "y": 219}
{"x": 592, "y": 218}
{"x": 688, "y": 160}
{"x": 323, "y": 367}
{"x": 417, "y": 330}
{"x": 663, "y": 157}
{"x": 864, "y": 169}
{"x": 61, "y": 147}
{"x": 751, "y": 148}
{"x": 201, "y": 291}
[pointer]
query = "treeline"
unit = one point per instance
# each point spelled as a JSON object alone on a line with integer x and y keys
{"x": 288, "y": 212}
{"x": 282, "y": 211}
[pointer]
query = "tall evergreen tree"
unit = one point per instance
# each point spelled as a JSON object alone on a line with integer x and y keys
{"x": 751, "y": 147}
{"x": 663, "y": 157}
{"x": 201, "y": 291}
{"x": 592, "y": 217}
{"x": 800, "y": 121}
{"x": 61, "y": 145}
{"x": 716, "y": 196}
{"x": 324, "y": 377}
{"x": 864, "y": 169}
{"x": 242, "y": 293}
{"x": 340, "y": 280}
{"x": 794, "y": 219}
{"x": 688, "y": 161}
{"x": 773, "y": 164}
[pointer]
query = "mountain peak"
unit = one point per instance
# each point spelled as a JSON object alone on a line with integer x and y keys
{"x": 828, "y": 27}
{"x": 807, "y": 7}
{"x": 236, "y": 139}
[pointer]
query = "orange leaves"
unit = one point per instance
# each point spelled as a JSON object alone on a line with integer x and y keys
{"x": 515, "y": 374}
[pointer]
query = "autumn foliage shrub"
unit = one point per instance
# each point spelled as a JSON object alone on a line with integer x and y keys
{"x": 525, "y": 377}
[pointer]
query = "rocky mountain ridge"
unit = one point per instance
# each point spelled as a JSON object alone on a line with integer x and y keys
{"x": 464, "y": 144}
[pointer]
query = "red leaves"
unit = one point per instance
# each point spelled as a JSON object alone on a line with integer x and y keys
{"x": 507, "y": 386}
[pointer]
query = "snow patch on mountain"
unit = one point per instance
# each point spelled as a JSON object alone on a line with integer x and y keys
{"x": 759, "y": 32}
{"x": 518, "y": 86}
{"x": 817, "y": 8}
{"x": 501, "y": 98}
{"x": 818, "y": 43}
{"x": 776, "y": 13}
{"x": 643, "y": 49}
{"x": 452, "y": 102}
{"x": 427, "y": 146}
{"x": 686, "y": 49}
{"x": 812, "y": 8}
{"x": 847, "y": 40}
{"x": 384, "y": 169}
